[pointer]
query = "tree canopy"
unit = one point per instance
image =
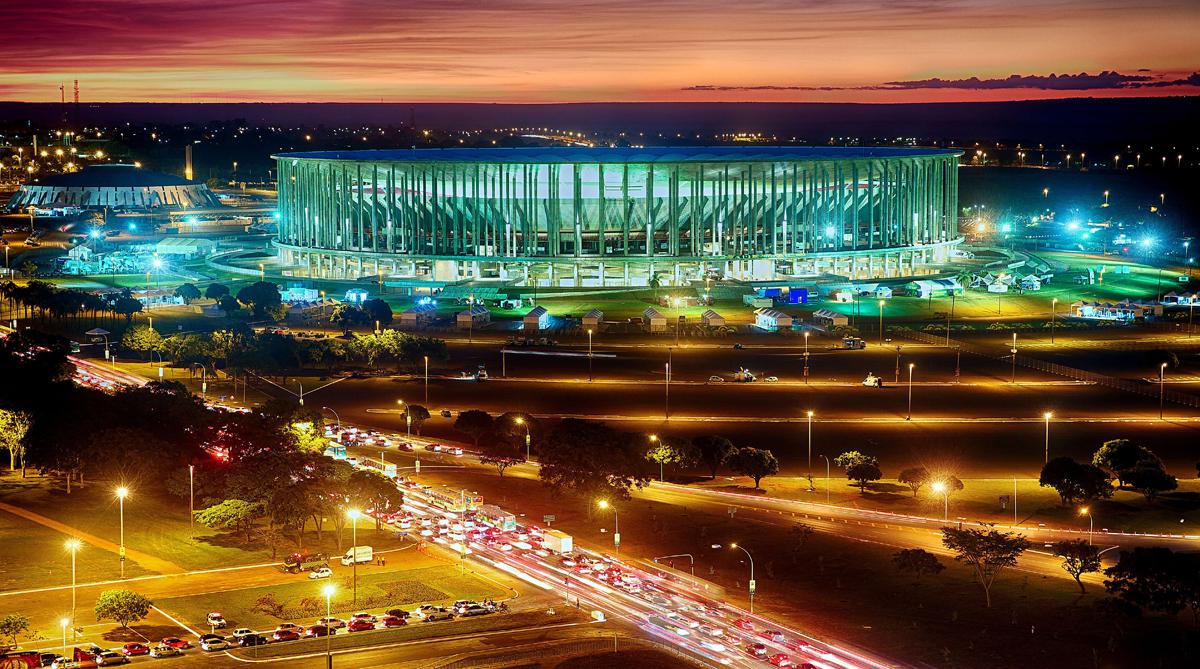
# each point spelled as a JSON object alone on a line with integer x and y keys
{"x": 987, "y": 552}
{"x": 757, "y": 463}
{"x": 1075, "y": 481}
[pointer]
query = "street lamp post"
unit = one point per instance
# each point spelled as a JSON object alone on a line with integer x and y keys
{"x": 589, "y": 355}
{"x": 810, "y": 417}
{"x": 1048, "y": 415}
{"x": 654, "y": 440}
{"x": 603, "y": 504}
{"x": 667, "y": 394}
{"x": 1053, "y": 313}
{"x": 881, "y": 322}
{"x": 911, "y": 366}
{"x": 122, "y": 492}
{"x": 353, "y": 514}
{"x": 328, "y": 590}
{"x": 752, "y": 583}
{"x": 521, "y": 421}
{"x": 1086, "y": 511}
{"x": 192, "y": 501}
{"x": 1162, "y": 372}
{"x": 1013, "y": 350}
{"x": 335, "y": 415}
{"x": 64, "y": 622}
{"x": 940, "y": 486}
{"x": 73, "y": 545}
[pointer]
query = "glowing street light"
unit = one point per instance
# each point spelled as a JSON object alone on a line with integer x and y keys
{"x": 521, "y": 421}
{"x": 64, "y": 622}
{"x": 1162, "y": 371}
{"x": 589, "y": 354}
{"x": 1106, "y": 198}
{"x": 73, "y": 545}
{"x": 654, "y": 440}
{"x": 911, "y": 366}
{"x": 1053, "y": 312}
{"x": 122, "y": 493}
{"x": 810, "y": 417}
{"x": 1047, "y": 416}
{"x": 881, "y": 322}
{"x": 1086, "y": 511}
{"x": 943, "y": 489}
{"x": 328, "y": 591}
{"x": 752, "y": 583}
{"x": 603, "y": 504}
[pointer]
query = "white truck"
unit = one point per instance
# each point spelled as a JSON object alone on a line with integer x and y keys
{"x": 557, "y": 542}
{"x": 359, "y": 554}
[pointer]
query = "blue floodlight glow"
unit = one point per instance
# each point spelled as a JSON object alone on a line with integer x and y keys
{"x": 95, "y": 234}
{"x": 1147, "y": 242}
{"x": 1072, "y": 226}
{"x": 829, "y": 231}
{"x": 1007, "y": 227}
{"x": 133, "y": 227}
{"x": 275, "y": 216}
{"x": 190, "y": 219}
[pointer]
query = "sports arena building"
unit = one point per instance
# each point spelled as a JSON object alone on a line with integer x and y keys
{"x": 617, "y": 216}
{"x": 114, "y": 186}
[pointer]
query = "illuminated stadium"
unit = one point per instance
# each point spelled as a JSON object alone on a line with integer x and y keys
{"x": 612, "y": 217}
{"x": 114, "y": 186}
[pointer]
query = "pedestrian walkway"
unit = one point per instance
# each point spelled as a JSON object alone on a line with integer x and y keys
{"x": 145, "y": 560}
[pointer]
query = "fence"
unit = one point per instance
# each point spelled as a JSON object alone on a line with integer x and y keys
{"x": 1127, "y": 385}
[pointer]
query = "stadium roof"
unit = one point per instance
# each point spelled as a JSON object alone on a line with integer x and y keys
{"x": 653, "y": 154}
{"x": 113, "y": 176}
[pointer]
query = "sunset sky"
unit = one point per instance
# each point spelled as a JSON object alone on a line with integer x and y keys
{"x": 597, "y": 50}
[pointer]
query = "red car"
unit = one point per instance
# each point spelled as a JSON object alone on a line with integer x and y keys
{"x": 360, "y": 625}
{"x": 756, "y": 649}
{"x": 744, "y": 624}
{"x": 176, "y": 642}
{"x": 796, "y": 644}
{"x": 393, "y": 621}
{"x": 286, "y": 635}
{"x": 781, "y": 660}
{"x": 773, "y": 635}
{"x": 135, "y": 649}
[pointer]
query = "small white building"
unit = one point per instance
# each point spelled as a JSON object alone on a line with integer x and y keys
{"x": 843, "y": 295}
{"x": 828, "y": 318}
{"x": 591, "y": 320}
{"x": 537, "y": 319}
{"x": 157, "y": 297}
{"x": 654, "y": 320}
{"x": 185, "y": 248}
{"x": 1125, "y": 310}
{"x": 298, "y": 293}
{"x": 771, "y": 319}
{"x": 356, "y": 296}
{"x": 418, "y": 315}
{"x": 1031, "y": 282}
{"x": 473, "y": 317}
{"x": 712, "y": 319}
{"x": 997, "y": 287}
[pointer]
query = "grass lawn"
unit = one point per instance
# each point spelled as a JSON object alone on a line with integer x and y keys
{"x": 628, "y": 659}
{"x": 1177, "y": 512}
{"x": 428, "y": 581}
{"x": 850, "y": 590}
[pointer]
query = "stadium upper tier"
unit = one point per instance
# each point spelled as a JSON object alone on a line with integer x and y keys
{"x": 617, "y": 216}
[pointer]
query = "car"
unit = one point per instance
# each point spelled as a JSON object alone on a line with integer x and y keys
{"x": 332, "y": 621}
{"x": 286, "y": 635}
{"x": 744, "y": 624}
{"x": 773, "y": 635}
{"x": 446, "y": 413}
{"x": 796, "y": 644}
{"x": 441, "y": 613}
{"x": 713, "y": 646}
{"x": 45, "y": 659}
{"x": 364, "y": 616}
{"x": 321, "y": 572}
{"x": 206, "y": 637}
{"x": 319, "y": 631}
{"x": 241, "y": 632}
{"x": 712, "y": 631}
{"x": 288, "y": 626}
{"x": 163, "y": 650}
{"x": 253, "y": 640}
{"x": 771, "y": 379}
{"x": 135, "y": 649}
{"x": 756, "y": 649}
{"x": 65, "y": 663}
{"x": 360, "y": 625}
{"x": 394, "y": 621}
{"x": 176, "y": 642}
{"x": 216, "y": 620}
{"x": 399, "y": 613}
{"x": 476, "y": 610}
{"x": 781, "y": 660}
{"x": 213, "y": 645}
{"x": 110, "y": 657}
{"x": 716, "y": 379}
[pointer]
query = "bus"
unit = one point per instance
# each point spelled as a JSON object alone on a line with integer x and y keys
{"x": 388, "y": 469}
{"x": 452, "y": 502}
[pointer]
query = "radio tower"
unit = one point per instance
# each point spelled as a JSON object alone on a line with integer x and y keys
{"x": 75, "y": 120}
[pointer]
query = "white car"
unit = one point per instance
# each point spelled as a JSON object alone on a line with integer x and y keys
{"x": 163, "y": 650}
{"x": 712, "y": 631}
{"x": 716, "y": 379}
{"x": 713, "y": 646}
{"x": 771, "y": 379}
{"x": 241, "y": 632}
{"x": 323, "y": 572}
{"x": 211, "y": 645}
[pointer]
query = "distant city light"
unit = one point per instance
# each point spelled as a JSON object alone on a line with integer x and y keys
{"x": 1072, "y": 226}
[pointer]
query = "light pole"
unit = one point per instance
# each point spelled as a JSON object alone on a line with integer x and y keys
{"x": 353, "y": 515}
{"x": 806, "y": 333}
{"x": 752, "y": 583}
{"x": 64, "y": 622}
{"x": 1087, "y": 511}
{"x": 589, "y": 354}
{"x": 1162, "y": 372}
{"x": 603, "y": 504}
{"x": 1013, "y": 350}
{"x": 881, "y": 322}
{"x": 667, "y": 394}
{"x": 192, "y": 501}
{"x": 122, "y": 492}
{"x": 426, "y": 382}
{"x": 335, "y": 415}
{"x": 810, "y": 417}
{"x": 689, "y": 556}
{"x": 328, "y": 590}
{"x": 911, "y": 366}
{"x": 1053, "y": 313}
{"x": 521, "y": 421}
{"x": 940, "y": 486}
{"x": 73, "y": 545}
{"x": 654, "y": 440}
{"x": 1048, "y": 415}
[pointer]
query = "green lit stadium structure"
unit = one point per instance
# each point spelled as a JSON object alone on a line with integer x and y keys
{"x": 610, "y": 217}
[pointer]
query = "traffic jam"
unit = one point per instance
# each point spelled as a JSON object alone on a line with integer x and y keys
{"x": 663, "y": 605}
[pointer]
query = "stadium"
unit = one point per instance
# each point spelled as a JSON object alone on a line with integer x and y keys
{"x": 114, "y": 186}
{"x": 616, "y": 217}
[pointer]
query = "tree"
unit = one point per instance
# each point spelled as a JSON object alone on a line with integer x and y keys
{"x": 1150, "y": 481}
{"x": 914, "y": 478}
{"x": 188, "y": 292}
{"x": 123, "y": 606}
{"x": 1075, "y": 481}
{"x": 371, "y": 490}
{"x": 863, "y": 473}
{"x": 987, "y": 552}
{"x": 798, "y": 535}
{"x": 712, "y": 451}
{"x": 1118, "y": 456}
{"x": 1157, "y": 579}
{"x": 216, "y": 291}
{"x": 917, "y": 562}
{"x": 416, "y": 414}
{"x": 592, "y": 459}
{"x": 1078, "y": 558}
{"x": 142, "y": 339}
{"x": 13, "y": 427}
{"x": 757, "y": 463}
{"x": 309, "y": 436}
{"x": 126, "y": 305}
{"x": 346, "y": 316}
{"x": 260, "y": 296}
{"x": 229, "y": 305}
{"x": 232, "y": 514}
{"x": 474, "y": 423}
{"x": 377, "y": 310}
{"x": 669, "y": 451}
{"x": 12, "y": 626}
{"x": 850, "y": 458}
{"x": 502, "y": 449}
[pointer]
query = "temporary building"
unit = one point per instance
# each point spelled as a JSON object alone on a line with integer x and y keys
{"x": 537, "y": 319}
{"x": 654, "y": 320}
{"x": 830, "y": 318}
{"x": 771, "y": 319}
{"x": 591, "y": 320}
{"x": 712, "y": 319}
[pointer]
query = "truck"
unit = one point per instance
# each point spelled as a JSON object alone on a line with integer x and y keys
{"x": 557, "y": 542}
{"x": 853, "y": 343}
{"x": 358, "y": 554}
{"x": 298, "y": 562}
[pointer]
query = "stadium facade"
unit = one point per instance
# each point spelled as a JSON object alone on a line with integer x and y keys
{"x": 602, "y": 217}
{"x": 114, "y": 186}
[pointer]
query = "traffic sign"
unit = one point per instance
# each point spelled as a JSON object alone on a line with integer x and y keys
{"x": 617, "y": 539}
{"x": 752, "y": 584}
{"x": 548, "y": 518}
